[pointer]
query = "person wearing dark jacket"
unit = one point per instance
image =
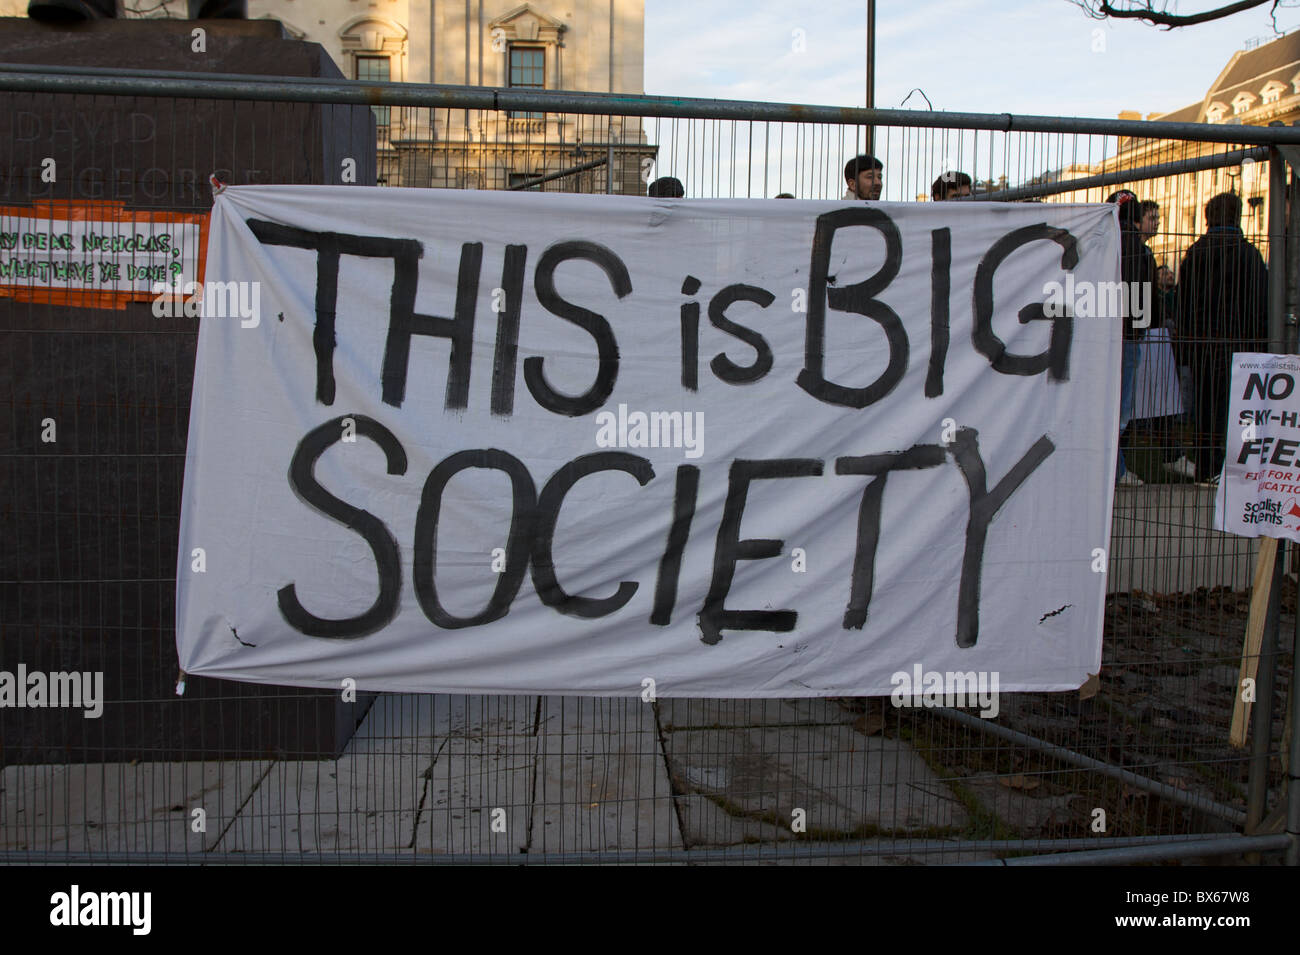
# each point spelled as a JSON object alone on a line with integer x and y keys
{"x": 1222, "y": 308}
{"x": 1137, "y": 268}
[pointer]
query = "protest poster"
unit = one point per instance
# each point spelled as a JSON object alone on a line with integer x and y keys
{"x": 98, "y": 254}
{"x": 1259, "y": 487}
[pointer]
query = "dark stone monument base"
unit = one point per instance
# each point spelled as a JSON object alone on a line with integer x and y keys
{"x": 89, "y": 522}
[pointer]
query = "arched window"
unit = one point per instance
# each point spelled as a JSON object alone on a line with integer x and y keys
{"x": 374, "y": 48}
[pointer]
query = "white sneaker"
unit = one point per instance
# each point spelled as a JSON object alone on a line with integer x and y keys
{"x": 1182, "y": 467}
{"x": 1129, "y": 480}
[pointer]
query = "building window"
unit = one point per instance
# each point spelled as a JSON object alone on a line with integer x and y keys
{"x": 527, "y": 70}
{"x": 1241, "y": 102}
{"x": 1272, "y": 92}
{"x": 375, "y": 69}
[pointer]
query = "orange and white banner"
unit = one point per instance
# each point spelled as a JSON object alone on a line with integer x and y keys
{"x": 97, "y": 254}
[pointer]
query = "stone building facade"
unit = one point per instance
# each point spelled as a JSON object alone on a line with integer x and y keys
{"x": 577, "y": 45}
{"x": 573, "y": 45}
{"x": 1258, "y": 86}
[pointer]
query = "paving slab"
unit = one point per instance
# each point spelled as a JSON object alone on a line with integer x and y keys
{"x": 845, "y": 783}
{"x": 707, "y": 824}
{"x": 680, "y": 714}
{"x": 363, "y": 803}
{"x": 397, "y": 724}
{"x": 478, "y": 791}
{"x": 121, "y": 807}
{"x": 367, "y": 800}
{"x": 601, "y": 783}
{"x": 421, "y": 723}
{"x": 1162, "y": 541}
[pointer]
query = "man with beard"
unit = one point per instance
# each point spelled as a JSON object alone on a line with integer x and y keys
{"x": 865, "y": 176}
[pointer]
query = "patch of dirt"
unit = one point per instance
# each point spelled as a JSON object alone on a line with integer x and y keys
{"x": 1162, "y": 709}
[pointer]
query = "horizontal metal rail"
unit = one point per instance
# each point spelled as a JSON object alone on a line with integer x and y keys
{"x": 1161, "y": 846}
{"x": 118, "y": 82}
{"x": 1165, "y": 791}
{"x": 1117, "y": 176}
{"x": 1229, "y": 845}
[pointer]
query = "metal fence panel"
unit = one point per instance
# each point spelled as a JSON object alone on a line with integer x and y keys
{"x": 1137, "y": 763}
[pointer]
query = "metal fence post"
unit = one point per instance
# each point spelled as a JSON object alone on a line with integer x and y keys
{"x": 1292, "y": 265}
{"x": 1257, "y": 786}
{"x": 1276, "y": 251}
{"x": 1284, "y": 250}
{"x": 1293, "y": 763}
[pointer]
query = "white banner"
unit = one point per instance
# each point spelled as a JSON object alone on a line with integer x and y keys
{"x": 483, "y": 442}
{"x": 1259, "y": 487}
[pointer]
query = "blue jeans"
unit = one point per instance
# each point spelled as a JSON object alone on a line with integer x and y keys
{"x": 1128, "y": 382}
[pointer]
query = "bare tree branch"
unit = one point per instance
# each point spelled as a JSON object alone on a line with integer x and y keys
{"x": 141, "y": 9}
{"x": 1160, "y": 17}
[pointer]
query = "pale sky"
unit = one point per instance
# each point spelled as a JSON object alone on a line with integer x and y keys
{"x": 990, "y": 56}
{"x": 1016, "y": 56}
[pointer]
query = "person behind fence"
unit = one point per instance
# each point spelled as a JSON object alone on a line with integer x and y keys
{"x": 1222, "y": 308}
{"x": 1137, "y": 266}
{"x": 1157, "y": 392}
{"x": 1176, "y": 460}
{"x": 667, "y": 187}
{"x": 865, "y": 176}
{"x": 1149, "y": 219}
{"x": 1166, "y": 284}
{"x": 1165, "y": 295}
{"x": 1158, "y": 402}
{"x": 950, "y": 185}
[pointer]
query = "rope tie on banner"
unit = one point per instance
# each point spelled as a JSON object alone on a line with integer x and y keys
{"x": 218, "y": 187}
{"x": 180, "y": 682}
